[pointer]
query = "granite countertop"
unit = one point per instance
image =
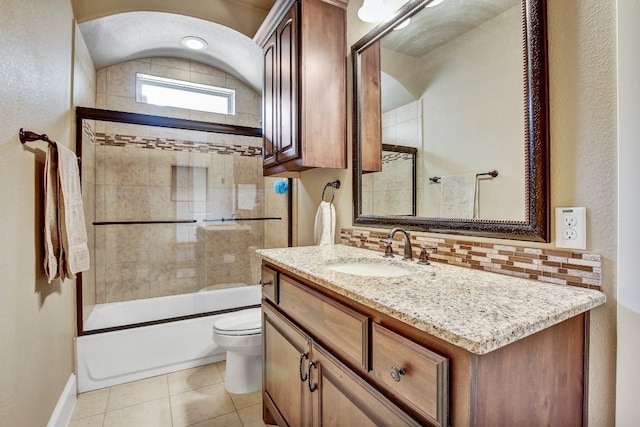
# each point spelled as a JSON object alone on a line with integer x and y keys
{"x": 476, "y": 310}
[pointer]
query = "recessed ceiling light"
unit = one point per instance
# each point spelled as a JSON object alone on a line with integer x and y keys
{"x": 195, "y": 43}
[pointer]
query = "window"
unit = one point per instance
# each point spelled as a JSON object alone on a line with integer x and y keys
{"x": 180, "y": 94}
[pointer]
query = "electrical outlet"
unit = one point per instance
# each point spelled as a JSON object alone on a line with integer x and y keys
{"x": 571, "y": 228}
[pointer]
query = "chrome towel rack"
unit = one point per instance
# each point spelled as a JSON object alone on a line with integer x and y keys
{"x": 493, "y": 174}
{"x": 334, "y": 185}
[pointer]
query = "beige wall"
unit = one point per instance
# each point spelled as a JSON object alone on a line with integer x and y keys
{"x": 582, "y": 57}
{"x": 459, "y": 80}
{"x": 628, "y": 369}
{"x": 37, "y": 321}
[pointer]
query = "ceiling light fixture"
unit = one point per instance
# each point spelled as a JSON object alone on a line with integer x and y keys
{"x": 402, "y": 25}
{"x": 435, "y": 3}
{"x": 373, "y": 11}
{"x": 195, "y": 43}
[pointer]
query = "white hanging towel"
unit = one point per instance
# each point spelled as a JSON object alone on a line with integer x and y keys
{"x": 52, "y": 248}
{"x": 459, "y": 196}
{"x": 324, "y": 230}
{"x": 65, "y": 229}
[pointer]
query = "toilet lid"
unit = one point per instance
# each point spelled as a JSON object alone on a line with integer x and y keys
{"x": 245, "y": 322}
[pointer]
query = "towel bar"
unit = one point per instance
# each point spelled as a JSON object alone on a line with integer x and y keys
{"x": 493, "y": 174}
{"x": 28, "y": 136}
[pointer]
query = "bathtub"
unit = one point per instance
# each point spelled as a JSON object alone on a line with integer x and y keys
{"x": 110, "y": 358}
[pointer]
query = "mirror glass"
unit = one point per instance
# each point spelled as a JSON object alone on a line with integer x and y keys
{"x": 449, "y": 84}
{"x": 392, "y": 191}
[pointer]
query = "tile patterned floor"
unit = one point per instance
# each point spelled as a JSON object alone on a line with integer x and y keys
{"x": 194, "y": 398}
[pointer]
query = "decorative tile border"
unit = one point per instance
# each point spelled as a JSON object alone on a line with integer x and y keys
{"x": 562, "y": 267}
{"x": 87, "y": 129}
{"x": 170, "y": 144}
{"x": 390, "y": 156}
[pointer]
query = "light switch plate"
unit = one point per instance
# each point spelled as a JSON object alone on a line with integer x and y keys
{"x": 571, "y": 228}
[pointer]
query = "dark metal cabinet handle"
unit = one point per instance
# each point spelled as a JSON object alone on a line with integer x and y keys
{"x": 312, "y": 386}
{"x": 396, "y": 373}
{"x": 303, "y": 376}
{"x": 265, "y": 282}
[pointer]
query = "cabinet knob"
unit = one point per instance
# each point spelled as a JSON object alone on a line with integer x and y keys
{"x": 396, "y": 373}
{"x": 265, "y": 282}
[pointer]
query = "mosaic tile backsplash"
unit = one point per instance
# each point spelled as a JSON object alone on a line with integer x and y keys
{"x": 561, "y": 267}
{"x": 171, "y": 144}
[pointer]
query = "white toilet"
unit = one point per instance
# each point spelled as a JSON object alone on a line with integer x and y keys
{"x": 240, "y": 333}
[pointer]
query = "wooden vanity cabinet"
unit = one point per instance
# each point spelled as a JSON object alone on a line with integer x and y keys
{"x": 348, "y": 353}
{"x": 317, "y": 360}
{"x": 304, "y": 87}
{"x": 305, "y": 385}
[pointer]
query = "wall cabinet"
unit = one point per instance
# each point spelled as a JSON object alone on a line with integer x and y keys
{"x": 371, "y": 122}
{"x": 329, "y": 360}
{"x": 304, "y": 87}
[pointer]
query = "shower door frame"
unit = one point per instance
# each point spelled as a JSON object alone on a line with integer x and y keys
{"x": 86, "y": 113}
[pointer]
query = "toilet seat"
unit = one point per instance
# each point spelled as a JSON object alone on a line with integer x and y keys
{"x": 240, "y": 323}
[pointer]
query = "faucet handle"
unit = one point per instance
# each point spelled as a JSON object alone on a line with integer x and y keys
{"x": 423, "y": 259}
{"x": 388, "y": 250}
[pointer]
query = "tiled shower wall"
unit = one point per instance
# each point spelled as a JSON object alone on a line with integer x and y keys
{"x": 136, "y": 183}
{"x": 386, "y": 192}
{"x": 131, "y": 176}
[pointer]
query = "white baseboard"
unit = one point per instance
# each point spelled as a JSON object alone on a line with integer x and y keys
{"x": 64, "y": 408}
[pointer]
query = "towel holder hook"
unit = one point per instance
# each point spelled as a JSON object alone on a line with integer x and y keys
{"x": 334, "y": 185}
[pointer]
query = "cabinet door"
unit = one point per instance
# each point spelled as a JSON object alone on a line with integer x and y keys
{"x": 269, "y": 101}
{"x": 287, "y": 41}
{"x": 286, "y": 352}
{"x": 371, "y": 123}
{"x": 341, "y": 398}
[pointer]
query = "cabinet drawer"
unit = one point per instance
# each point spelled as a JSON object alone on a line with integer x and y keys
{"x": 269, "y": 282}
{"x": 342, "y": 330}
{"x": 342, "y": 398}
{"x": 421, "y": 376}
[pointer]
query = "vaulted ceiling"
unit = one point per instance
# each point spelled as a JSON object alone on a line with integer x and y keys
{"x": 122, "y": 30}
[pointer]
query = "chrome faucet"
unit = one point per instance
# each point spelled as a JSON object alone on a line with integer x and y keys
{"x": 408, "y": 250}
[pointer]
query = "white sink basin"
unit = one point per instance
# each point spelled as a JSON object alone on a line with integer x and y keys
{"x": 370, "y": 269}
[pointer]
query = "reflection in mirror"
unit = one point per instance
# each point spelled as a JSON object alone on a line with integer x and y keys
{"x": 451, "y": 87}
{"x": 392, "y": 191}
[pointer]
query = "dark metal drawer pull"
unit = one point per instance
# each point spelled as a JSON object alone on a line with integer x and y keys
{"x": 303, "y": 376}
{"x": 314, "y": 386}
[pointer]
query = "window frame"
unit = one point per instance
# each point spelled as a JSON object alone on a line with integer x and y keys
{"x": 143, "y": 79}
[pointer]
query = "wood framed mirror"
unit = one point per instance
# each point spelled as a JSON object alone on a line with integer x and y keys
{"x": 466, "y": 85}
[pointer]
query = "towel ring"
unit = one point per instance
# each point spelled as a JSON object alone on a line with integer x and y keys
{"x": 333, "y": 185}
